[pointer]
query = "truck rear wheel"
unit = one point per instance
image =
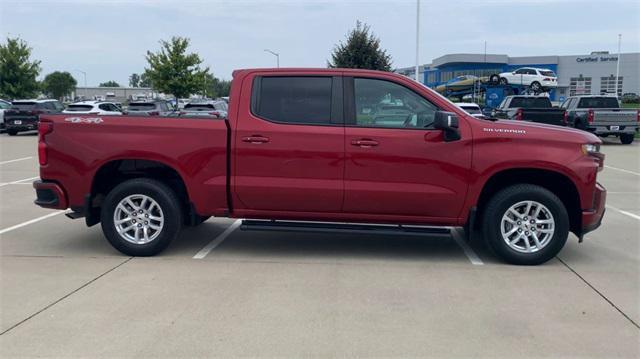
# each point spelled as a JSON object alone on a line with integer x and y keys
{"x": 525, "y": 224}
{"x": 12, "y": 132}
{"x": 140, "y": 217}
{"x": 626, "y": 138}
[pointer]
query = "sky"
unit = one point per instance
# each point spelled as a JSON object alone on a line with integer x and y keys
{"x": 109, "y": 39}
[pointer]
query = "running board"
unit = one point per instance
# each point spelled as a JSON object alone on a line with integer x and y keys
{"x": 332, "y": 227}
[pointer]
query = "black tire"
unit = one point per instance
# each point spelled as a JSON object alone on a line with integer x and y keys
{"x": 536, "y": 86}
{"x": 626, "y": 138}
{"x": 504, "y": 81}
{"x": 12, "y": 132}
{"x": 580, "y": 125}
{"x": 498, "y": 206}
{"x": 166, "y": 199}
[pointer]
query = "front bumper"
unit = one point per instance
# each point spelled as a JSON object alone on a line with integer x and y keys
{"x": 50, "y": 195}
{"x": 591, "y": 219}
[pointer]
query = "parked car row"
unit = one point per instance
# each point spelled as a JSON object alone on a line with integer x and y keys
{"x": 23, "y": 115}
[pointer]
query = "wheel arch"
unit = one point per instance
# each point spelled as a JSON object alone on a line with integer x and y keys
{"x": 115, "y": 171}
{"x": 558, "y": 183}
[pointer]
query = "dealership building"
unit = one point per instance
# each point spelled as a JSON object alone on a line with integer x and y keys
{"x": 577, "y": 74}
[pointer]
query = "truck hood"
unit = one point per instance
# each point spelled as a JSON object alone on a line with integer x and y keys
{"x": 541, "y": 131}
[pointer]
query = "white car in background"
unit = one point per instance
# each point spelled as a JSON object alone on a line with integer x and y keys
{"x": 4, "y": 105}
{"x": 93, "y": 108}
{"x": 471, "y": 108}
{"x": 537, "y": 79}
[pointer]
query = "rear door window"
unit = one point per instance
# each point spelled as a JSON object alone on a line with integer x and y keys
{"x": 293, "y": 99}
{"x": 547, "y": 73}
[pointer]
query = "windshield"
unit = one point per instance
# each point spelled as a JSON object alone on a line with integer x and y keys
{"x": 79, "y": 108}
{"x": 530, "y": 102}
{"x": 598, "y": 102}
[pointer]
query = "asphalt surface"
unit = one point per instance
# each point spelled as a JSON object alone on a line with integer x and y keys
{"x": 65, "y": 292}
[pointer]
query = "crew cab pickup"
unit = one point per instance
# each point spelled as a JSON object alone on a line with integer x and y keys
{"x": 321, "y": 145}
{"x": 602, "y": 116}
{"x": 530, "y": 108}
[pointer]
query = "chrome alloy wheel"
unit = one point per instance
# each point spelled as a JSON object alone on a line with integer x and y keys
{"x": 527, "y": 226}
{"x": 138, "y": 219}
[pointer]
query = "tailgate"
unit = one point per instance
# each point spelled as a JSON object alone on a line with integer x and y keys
{"x": 544, "y": 115}
{"x": 19, "y": 117}
{"x": 615, "y": 117}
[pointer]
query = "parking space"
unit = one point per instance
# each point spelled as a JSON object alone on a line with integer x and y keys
{"x": 219, "y": 290}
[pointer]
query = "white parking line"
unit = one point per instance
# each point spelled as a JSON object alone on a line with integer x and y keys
{"x": 9, "y": 229}
{"x": 19, "y": 181}
{"x": 632, "y": 215}
{"x": 216, "y": 241}
{"x": 16, "y": 160}
{"x": 622, "y": 170}
{"x": 473, "y": 257}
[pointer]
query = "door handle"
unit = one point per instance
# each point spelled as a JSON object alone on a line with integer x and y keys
{"x": 364, "y": 142}
{"x": 255, "y": 139}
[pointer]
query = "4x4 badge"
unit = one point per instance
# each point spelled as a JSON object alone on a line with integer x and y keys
{"x": 84, "y": 120}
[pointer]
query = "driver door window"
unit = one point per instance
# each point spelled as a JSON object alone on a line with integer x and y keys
{"x": 380, "y": 103}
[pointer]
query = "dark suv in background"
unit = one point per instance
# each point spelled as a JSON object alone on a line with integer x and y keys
{"x": 150, "y": 108}
{"x": 24, "y": 115}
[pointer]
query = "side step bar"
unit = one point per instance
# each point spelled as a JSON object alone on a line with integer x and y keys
{"x": 331, "y": 227}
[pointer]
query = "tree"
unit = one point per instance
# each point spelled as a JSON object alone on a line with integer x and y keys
{"x": 17, "y": 72}
{"x": 58, "y": 84}
{"x": 216, "y": 87}
{"x": 109, "y": 84}
{"x": 173, "y": 70}
{"x": 361, "y": 51}
{"x": 134, "y": 80}
{"x": 145, "y": 81}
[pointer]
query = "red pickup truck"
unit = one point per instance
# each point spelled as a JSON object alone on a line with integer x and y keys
{"x": 325, "y": 145}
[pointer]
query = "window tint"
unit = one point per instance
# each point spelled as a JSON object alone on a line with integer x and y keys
{"x": 531, "y": 72}
{"x": 598, "y": 102}
{"x": 521, "y": 71}
{"x": 530, "y": 102}
{"x": 304, "y": 100}
{"x": 58, "y": 106}
{"x": 4, "y": 105}
{"x": 548, "y": 73}
{"x": 380, "y": 103}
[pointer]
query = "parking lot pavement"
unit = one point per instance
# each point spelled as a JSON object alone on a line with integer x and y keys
{"x": 261, "y": 293}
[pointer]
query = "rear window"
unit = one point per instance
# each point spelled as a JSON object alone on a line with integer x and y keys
{"x": 79, "y": 108}
{"x": 142, "y": 107}
{"x": 471, "y": 109}
{"x": 24, "y": 105}
{"x": 530, "y": 102}
{"x": 598, "y": 102}
{"x": 548, "y": 73}
{"x": 199, "y": 107}
{"x": 302, "y": 100}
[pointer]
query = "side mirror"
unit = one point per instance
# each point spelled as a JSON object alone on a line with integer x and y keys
{"x": 448, "y": 123}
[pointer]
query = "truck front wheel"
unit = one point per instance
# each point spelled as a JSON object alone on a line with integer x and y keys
{"x": 626, "y": 138}
{"x": 525, "y": 224}
{"x": 140, "y": 217}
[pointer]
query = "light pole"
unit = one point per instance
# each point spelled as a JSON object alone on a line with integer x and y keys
{"x": 277, "y": 55}
{"x": 417, "y": 40}
{"x": 618, "y": 64}
{"x": 85, "y": 77}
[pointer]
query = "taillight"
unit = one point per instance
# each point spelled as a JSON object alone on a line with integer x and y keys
{"x": 215, "y": 113}
{"x": 546, "y": 79}
{"x": 44, "y": 128}
{"x": 94, "y": 113}
{"x": 182, "y": 113}
{"x": 154, "y": 113}
{"x": 590, "y": 116}
{"x": 519, "y": 115}
{"x": 565, "y": 118}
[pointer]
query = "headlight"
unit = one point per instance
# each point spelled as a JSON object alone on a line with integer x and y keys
{"x": 590, "y": 148}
